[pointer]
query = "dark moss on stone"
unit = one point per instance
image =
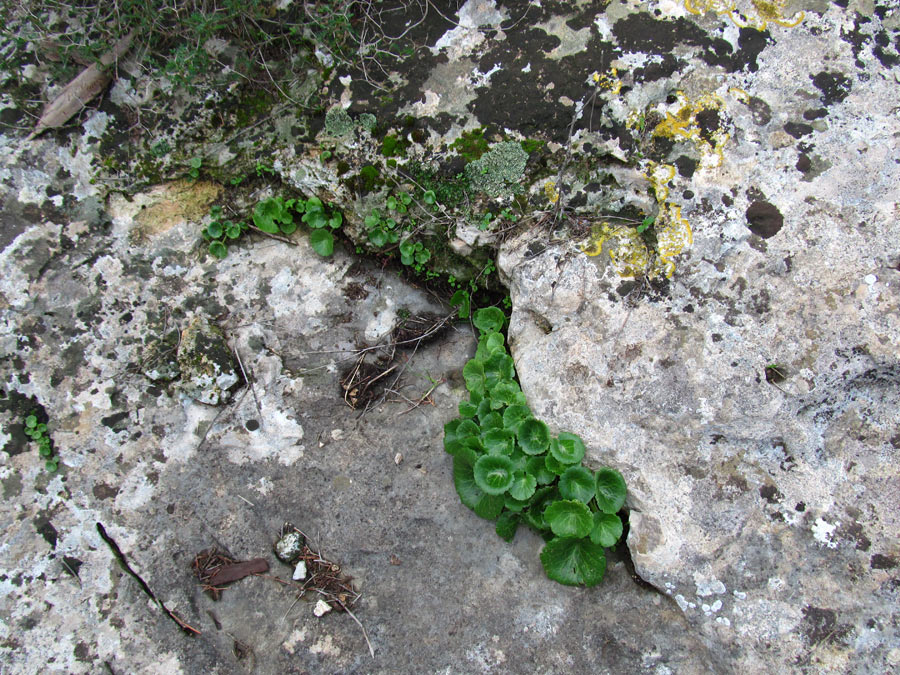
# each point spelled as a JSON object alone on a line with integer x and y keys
{"x": 798, "y": 129}
{"x": 803, "y": 164}
{"x": 686, "y": 165}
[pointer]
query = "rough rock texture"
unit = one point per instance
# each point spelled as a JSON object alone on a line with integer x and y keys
{"x": 752, "y": 399}
{"x": 748, "y": 392}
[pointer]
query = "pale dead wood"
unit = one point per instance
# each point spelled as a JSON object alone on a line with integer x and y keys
{"x": 79, "y": 92}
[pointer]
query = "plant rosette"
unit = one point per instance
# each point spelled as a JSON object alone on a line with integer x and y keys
{"x": 508, "y": 467}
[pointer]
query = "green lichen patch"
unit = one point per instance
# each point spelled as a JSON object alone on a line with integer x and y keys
{"x": 499, "y": 170}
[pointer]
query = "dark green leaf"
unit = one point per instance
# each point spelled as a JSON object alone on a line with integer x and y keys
{"x": 577, "y": 483}
{"x": 473, "y": 373}
{"x": 335, "y": 221}
{"x": 461, "y": 299}
{"x": 378, "y": 237}
{"x": 214, "y": 229}
{"x": 486, "y": 506}
{"x": 504, "y": 394}
{"x": 554, "y": 466}
{"x": 533, "y": 436}
{"x": 232, "y": 230}
{"x": 610, "y": 490}
{"x": 514, "y": 505}
{"x": 287, "y": 228}
{"x": 507, "y": 525}
{"x": 574, "y": 561}
{"x": 31, "y": 421}
{"x": 499, "y": 442}
{"x": 493, "y": 474}
{"x": 534, "y": 515}
{"x": 607, "y": 529}
{"x": 515, "y": 415}
{"x": 569, "y": 518}
{"x": 537, "y": 468}
{"x": 429, "y": 197}
{"x": 467, "y": 409}
{"x": 218, "y": 249}
{"x": 45, "y": 451}
{"x": 567, "y": 448}
{"x": 322, "y": 242}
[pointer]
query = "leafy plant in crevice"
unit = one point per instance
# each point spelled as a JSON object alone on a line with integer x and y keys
{"x": 277, "y": 215}
{"x": 37, "y": 432}
{"x": 507, "y": 467}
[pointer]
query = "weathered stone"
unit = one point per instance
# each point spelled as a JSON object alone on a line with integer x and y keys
{"x": 208, "y": 369}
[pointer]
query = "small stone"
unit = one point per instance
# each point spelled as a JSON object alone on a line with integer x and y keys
{"x": 321, "y": 608}
{"x": 300, "y": 571}
{"x": 289, "y": 546}
{"x": 870, "y": 279}
{"x": 398, "y": 458}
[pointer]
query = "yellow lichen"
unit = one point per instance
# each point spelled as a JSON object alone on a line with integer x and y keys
{"x": 628, "y": 252}
{"x": 683, "y": 124}
{"x": 673, "y": 235}
{"x": 551, "y": 191}
{"x": 766, "y": 11}
{"x": 610, "y": 82}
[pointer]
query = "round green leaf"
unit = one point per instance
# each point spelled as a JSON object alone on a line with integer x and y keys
{"x": 577, "y": 483}
{"x": 264, "y": 215}
{"x": 45, "y": 451}
{"x": 491, "y": 421}
{"x": 322, "y": 242}
{"x": 378, "y": 237}
{"x": 31, "y": 421}
{"x": 567, "y": 448}
{"x": 372, "y": 220}
{"x": 569, "y": 518}
{"x": 429, "y": 197}
{"x": 335, "y": 221}
{"x": 505, "y": 393}
{"x": 288, "y": 227}
{"x": 537, "y": 468}
{"x": 553, "y": 465}
{"x": 523, "y": 486}
{"x": 473, "y": 373}
{"x": 507, "y": 525}
{"x": 486, "y": 506}
{"x": 489, "y": 319}
{"x": 51, "y": 466}
{"x": 494, "y": 474}
{"x": 499, "y": 441}
{"x": 607, "y": 529}
{"x": 533, "y": 436}
{"x": 514, "y": 415}
{"x": 514, "y": 505}
{"x": 214, "y": 229}
{"x": 232, "y": 230}
{"x": 467, "y": 409}
{"x": 610, "y": 490}
{"x": 498, "y": 367}
{"x": 574, "y": 561}
{"x": 218, "y": 249}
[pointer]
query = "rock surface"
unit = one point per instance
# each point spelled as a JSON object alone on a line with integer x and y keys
{"x": 737, "y": 361}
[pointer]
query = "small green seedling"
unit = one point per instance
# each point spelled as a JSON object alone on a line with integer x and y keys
{"x": 220, "y": 232}
{"x": 414, "y": 253}
{"x": 195, "y": 164}
{"x": 37, "y": 431}
{"x": 381, "y": 231}
{"x": 508, "y": 467}
{"x": 645, "y": 224}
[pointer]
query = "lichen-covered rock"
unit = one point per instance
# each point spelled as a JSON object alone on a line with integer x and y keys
{"x": 208, "y": 370}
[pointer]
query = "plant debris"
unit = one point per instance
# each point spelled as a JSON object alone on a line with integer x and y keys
{"x": 362, "y": 383}
{"x": 420, "y": 329}
{"x": 215, "y": 569}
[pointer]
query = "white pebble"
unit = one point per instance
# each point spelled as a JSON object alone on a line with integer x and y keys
{"x": 321, "y": 608}
{"x": 300, "y": 571}
{"x": 870, "y": 279}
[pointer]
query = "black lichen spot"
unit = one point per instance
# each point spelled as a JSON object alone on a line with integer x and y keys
{"x": 764, "y": 220}
{"x": 820, "y": 625}
{"x": 815, "y": 114}
{"x": 115, "y": 421}
{"x": 798, "y": 129}
{"x": 727, "y": 200}
{"x": 759, "y": 111}
{"x": 251, "y": 425}
{"x": 803, "y": 164}
{"x": 45, "y": 528}
{"x": 640, "y": 32}
{"x": 835, "y": 87}
{"x": 880, "y": 561}
{"x": 770, "y": 493}
{"x": 686, "y": 165}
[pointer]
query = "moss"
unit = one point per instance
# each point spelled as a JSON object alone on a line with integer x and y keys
{"x": 471, "y": 145}
{"x": 499, "y": 170}
{"x": 394, "y": 146}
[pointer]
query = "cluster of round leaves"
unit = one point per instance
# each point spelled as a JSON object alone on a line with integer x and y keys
{"x": 37, "y": 432}
{"x": 508, "y": 467}
{"x": 276, "y": 215}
